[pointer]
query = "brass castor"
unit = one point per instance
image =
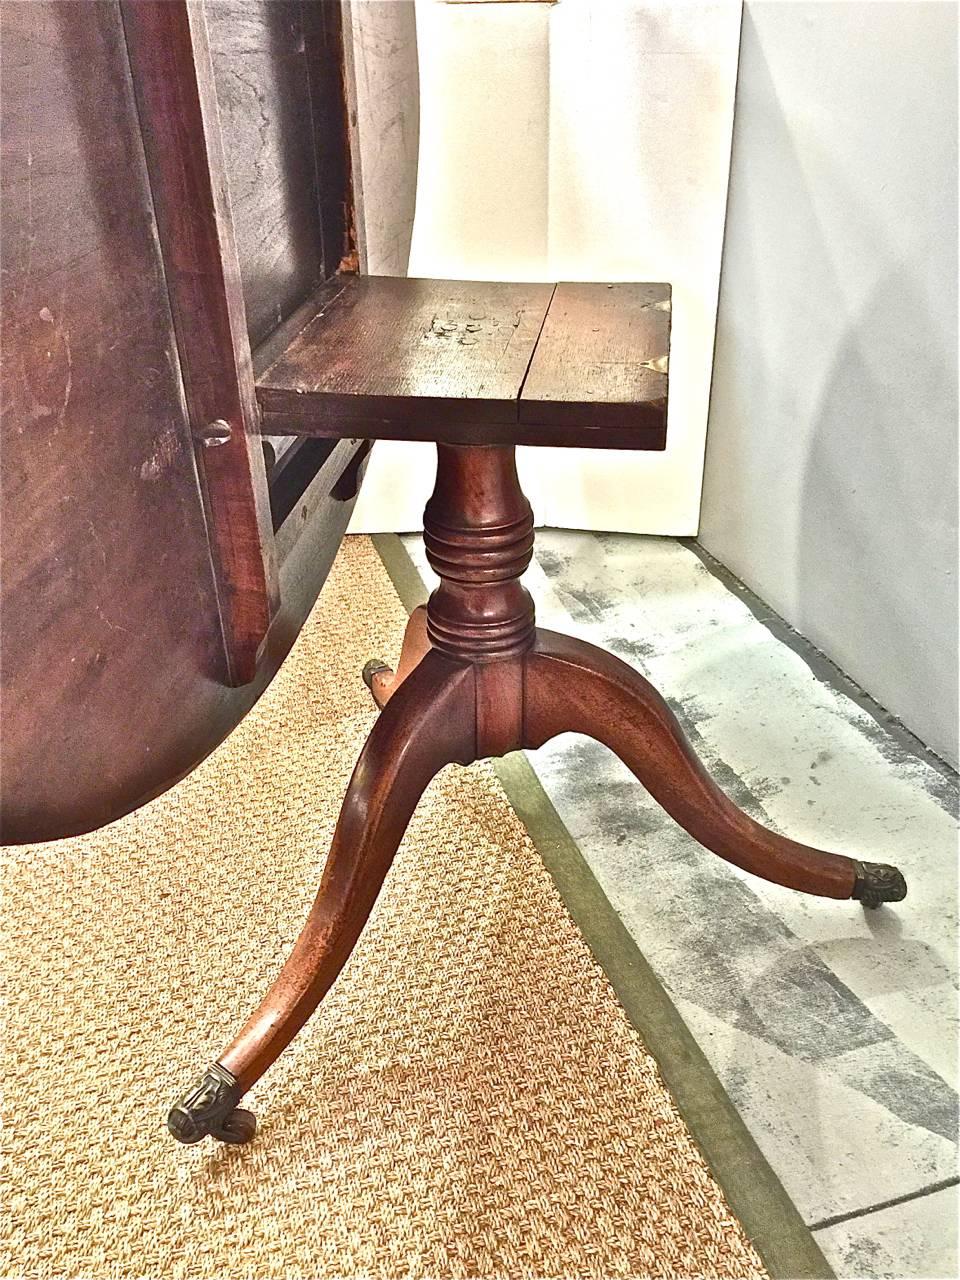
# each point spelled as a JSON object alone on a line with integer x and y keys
{"x": 210, "y": 1108}
{"x": 373, "y": 668}
{"x": 878, "y": 882}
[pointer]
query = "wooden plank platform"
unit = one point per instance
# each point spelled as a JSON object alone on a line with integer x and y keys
{"x": 474, "y": 363}
{"x": 601, "y": 361}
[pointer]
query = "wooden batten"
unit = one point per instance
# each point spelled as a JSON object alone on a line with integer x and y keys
{"x": 173, "y": 77}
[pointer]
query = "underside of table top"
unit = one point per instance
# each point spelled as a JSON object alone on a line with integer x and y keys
{"x": 474, "y": 363}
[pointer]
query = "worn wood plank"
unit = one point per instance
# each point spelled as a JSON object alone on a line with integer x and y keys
{"x": 326, "y": 66}
{"x": 174, "y": 80}
{"x": 601, "y": 363}
{"x": 279, "y": 89}
{"x": 293, "y": 422}
{"x": 410, "y": 352}
{"x": 272, "y": 348}
{"x": 263, "y": 99}
{"x": 473, "y": 363}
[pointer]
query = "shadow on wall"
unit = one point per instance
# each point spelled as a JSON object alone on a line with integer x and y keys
{"x": 831, "y": 484}
{"x": 884, "y": 525}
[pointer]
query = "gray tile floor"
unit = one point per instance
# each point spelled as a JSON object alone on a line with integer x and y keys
{"x": 834, "y": 1030}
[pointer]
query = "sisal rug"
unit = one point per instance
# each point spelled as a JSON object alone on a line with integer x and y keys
{"x": 470, "y": 1100}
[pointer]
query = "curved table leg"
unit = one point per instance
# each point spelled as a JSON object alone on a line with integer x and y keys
{"x": 428, "y": 724}
{"x": 571, "y": 686}
{"x": 384, "y": 682}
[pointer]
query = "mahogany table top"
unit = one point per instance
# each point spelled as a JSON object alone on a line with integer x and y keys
{"x": 474, "y": 363}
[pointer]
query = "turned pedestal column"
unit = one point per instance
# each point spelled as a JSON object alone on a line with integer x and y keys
{"x": 476, "y": 678}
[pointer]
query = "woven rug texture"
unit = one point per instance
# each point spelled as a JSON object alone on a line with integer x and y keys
{"x": 470, "y": 1099}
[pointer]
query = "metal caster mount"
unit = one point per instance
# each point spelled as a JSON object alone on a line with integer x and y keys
{"x": 878, "y": 882}
{"x": 210, "y": 1107}
{"x": 373, "y": 668}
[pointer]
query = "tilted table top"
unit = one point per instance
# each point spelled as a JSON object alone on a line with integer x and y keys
{"x": 474, "y": 363}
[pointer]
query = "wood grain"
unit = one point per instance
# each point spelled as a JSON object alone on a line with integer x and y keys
{"x": 601, "y": 363}
{"x": 326, "y": 66}
{"x": 97, "y": 456}
{"x": 111, "y": 652}
{"x": 416, "y": 353}
{"x": 476, "y": 679}
{"x": 475, "y": 363}
{"x": 173, "y": 78}
{"x": 270, "y": 60}
{"x": 427, "y": 725}
{"x": 609, "y": 701}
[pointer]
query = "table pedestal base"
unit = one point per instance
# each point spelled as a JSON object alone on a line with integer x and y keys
{"x": 477, "y": 678}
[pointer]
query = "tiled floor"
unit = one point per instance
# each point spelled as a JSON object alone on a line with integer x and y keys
{"x": 833, "y": 1029}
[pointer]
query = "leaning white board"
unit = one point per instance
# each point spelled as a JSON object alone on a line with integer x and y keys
{"x": 584, "y": 140}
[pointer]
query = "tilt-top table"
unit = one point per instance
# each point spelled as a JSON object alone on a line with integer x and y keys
{"x": 200, "y": 374}
{"x": 479, "y": 368}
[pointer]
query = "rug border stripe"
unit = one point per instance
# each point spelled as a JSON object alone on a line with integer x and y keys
{"x": 754, "y": 1192}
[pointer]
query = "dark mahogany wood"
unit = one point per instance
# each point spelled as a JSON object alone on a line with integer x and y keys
{"x": 427, "y": 724}
{"x": 477, "y": 679}
{"x": 279, "y": 88}
{"x": 112, "y": 668}
{"x": 278, "y": 70}
{"x": 478, "y": 534}
{"x": 406, "y": 351}
{"x": 601, "y": 362}
{"x": 609, "y": 701}
{"x": 381, "y": 680}
{"x": 323, "y": 45}
{"x": 476, "y": 363}
{"x": 176, "y": 95}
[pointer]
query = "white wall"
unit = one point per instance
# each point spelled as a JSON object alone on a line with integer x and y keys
{"x": 831, "y": 474}
{"x": 383, "y": 96}
{"x": 586, "y": 140}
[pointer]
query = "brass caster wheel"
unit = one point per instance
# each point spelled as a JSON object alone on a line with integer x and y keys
{"x": 877, "y": 882}
{"x": 210, "y": 1108}
{"x": 375, "y": 667}
{"x": 238, "y": 1127}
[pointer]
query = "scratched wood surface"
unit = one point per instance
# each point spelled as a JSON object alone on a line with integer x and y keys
{"x": 409, "y": 351}
{"x": 172, "y": 72}
{"x": 601, "y": 363}
{"x": 111, "y": 682}
{"x": 265, "y": 54}
{"x": 477, "y": 363}
{"x": 278, "y": 75}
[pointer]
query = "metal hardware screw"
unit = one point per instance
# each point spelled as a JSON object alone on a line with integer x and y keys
{"x": 215, "y": 433}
